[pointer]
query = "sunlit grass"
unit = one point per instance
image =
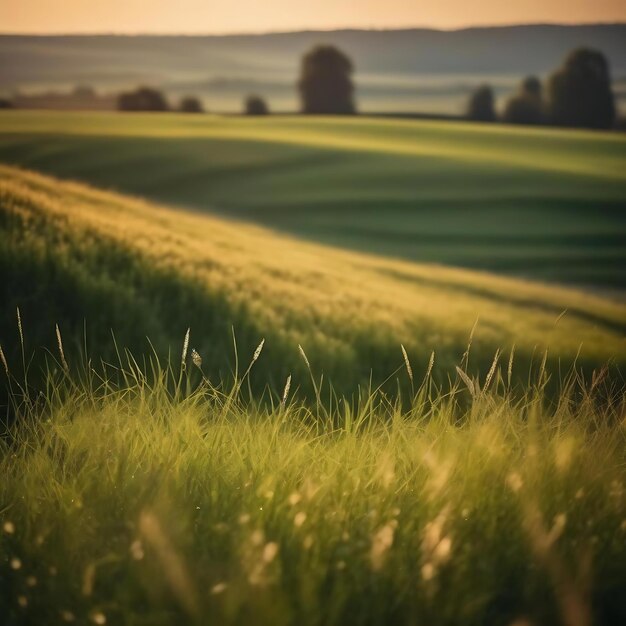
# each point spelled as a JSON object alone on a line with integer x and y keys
{"x": 533, "y": 202}
{"x": 95, "y": 261}
{"x": 157, "y": 495}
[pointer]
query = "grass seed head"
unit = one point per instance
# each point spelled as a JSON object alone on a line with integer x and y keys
{"x": 407, "y": 363}
{"x": 196, "y": 358}
{"x": 257, "y": 352}
{"x": 183, "y": 356}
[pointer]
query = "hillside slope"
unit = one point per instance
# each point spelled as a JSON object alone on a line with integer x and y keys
{"x": 83, "y": 257}
{"x": 538, "y": 203}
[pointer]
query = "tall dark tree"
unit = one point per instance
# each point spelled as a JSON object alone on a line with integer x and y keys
{"x": 191, "y": 104}
{"x": 531, "y": 86}
{"x": 142, "y": 99}
{"x": 255, "y": 105}
{"x": 481, "y": 105}
{"x": 325, "y": 83}
{"x": 526, "y": 106}
{"x": 579, "y": 93}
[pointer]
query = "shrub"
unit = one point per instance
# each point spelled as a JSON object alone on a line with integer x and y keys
{"x": 255, "y": 105}
{"x": 191, "y": 104}
{"x": 142, "y": 99}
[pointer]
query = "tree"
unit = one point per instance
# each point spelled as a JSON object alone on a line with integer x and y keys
{"x": 191, "y": 104}
{"x": 481, "y": 105}
{"x": 142, "y": 99}
{"x": 579, "y": 92}
{"x": 526, "y": 106}
{"x": 255, "y": 105}
{"x": 325, "y": 83}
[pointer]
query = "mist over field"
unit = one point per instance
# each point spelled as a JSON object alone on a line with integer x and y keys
{"x": 414, "y": 70}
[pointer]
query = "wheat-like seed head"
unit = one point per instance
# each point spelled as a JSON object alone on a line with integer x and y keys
{"x": 183, "y": 357}
{"x": 467, "y": 380}
{"x": 431, "y": 362}
{"x": 286, "y": 390}
{"x": 19, "y": 326}
{"x": 492, "y": 370}
{"x": 407, "y": 363}
{"x": 61, "y": 352}
{"x": 542, "y": 369}
{"x": 257, "y": 352}
{"x": 196, "y": 358}
{"x": 303, "y": 354}
{"x": 510, "y": 368}
{"x": 4, "y": 361}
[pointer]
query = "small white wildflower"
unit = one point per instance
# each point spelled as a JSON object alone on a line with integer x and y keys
{"x": 219, "y": 588}
{"x": 98, "y": 617}
{"x": 294, "y": 498}
{"x": 270, "y": 551}
{"x": 136, "y": 550}
{"x": 257, "y": 537}
{"x": 428, "y": 571}
{"x": 443, "y": 549}
{"x": 381, "y": 542}
{"x": 514, "y": 481}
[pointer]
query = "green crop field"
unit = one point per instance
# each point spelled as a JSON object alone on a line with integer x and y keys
{"x": 538, "y": 203}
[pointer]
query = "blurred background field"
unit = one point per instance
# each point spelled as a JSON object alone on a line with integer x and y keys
{"x": 540, "y": 203}
{"x": 410, "y": 70}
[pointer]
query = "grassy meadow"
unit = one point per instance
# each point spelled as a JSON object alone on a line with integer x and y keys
{"x": 94, "y": 262}
{"x": 538, "y": 203}
{"x": 210, "y": 421}
{"x": 179, "y": 503}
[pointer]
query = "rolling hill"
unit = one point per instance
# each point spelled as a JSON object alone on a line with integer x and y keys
{"x": 94, "y": 261}
{"x": 537, "y": 203}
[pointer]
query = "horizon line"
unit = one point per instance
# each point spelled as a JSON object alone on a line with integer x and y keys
{"x": 390, "y": 29}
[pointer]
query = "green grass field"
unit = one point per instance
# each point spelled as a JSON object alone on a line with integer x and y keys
{"x": 539, "y": 203}
{"x": 383, "y": 441}
{"x": 93, "y": 262}
{"x": 174, "y": 502}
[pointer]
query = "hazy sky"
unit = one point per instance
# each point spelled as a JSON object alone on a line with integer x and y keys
{"x": 224, "y": 16}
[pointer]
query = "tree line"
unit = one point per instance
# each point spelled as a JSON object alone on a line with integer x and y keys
{"x": 577, "y": 94}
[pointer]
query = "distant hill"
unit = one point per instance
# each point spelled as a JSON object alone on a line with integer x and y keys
{"x": 403, "y": 70}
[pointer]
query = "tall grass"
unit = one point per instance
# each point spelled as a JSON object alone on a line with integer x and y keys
{"x": 155, "y": 494}
{"x": 82, "y": 254}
